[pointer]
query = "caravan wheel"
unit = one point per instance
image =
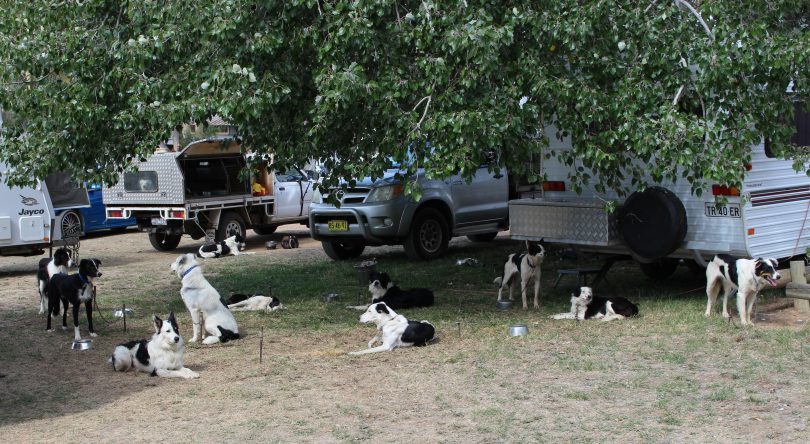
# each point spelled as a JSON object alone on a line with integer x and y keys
{"x": 660, "y": 269}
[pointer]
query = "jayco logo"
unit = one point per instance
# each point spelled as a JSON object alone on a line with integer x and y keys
{"x": 25, "y": 212}
{"x": 29, "y": 201}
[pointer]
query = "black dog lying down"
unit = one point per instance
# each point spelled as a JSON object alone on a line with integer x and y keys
{"x": 383, "y": 290}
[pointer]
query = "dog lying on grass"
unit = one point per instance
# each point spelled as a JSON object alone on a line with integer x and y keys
{"x": 587, "y": 306}
{"x": 394, "y": 330}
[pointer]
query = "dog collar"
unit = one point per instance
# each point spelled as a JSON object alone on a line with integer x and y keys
{"x": 83, "y": 279}
{"x": 188, "y": 271}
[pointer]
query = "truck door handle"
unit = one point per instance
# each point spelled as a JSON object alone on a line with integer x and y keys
{"x": 281, "y": 189}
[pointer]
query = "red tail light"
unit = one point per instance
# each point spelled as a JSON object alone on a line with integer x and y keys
{"x": 115, "y": 213}
{"x": 177, "y": 214}
{"x": 723, "y": 190}
{"x": 554, "y": 186}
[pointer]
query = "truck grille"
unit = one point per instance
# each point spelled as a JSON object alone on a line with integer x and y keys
{"x": 353, "y": 195}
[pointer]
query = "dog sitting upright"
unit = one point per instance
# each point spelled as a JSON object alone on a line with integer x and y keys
{"x": 527, "y": 266}
{"x": 747, "y": 276}
{"x": 232, "y": 245}
{"x": 587, "y": 306}
{"x": 394, "y": 330}
{"x": 74, "y": 289}
{"x": 204, "y": 304}
{"x": 160, "y": 356}
{"x": 49, "y": 266}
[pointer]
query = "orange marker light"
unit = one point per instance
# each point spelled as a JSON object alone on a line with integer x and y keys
{"x": 751, "y": 231}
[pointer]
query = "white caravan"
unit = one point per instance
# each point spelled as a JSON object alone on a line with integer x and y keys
{"x": 28, "y": 221}
{"x": 768, "y": 217}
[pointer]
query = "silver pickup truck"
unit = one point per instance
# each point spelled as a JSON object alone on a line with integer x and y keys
{"x": 377, "y": 213}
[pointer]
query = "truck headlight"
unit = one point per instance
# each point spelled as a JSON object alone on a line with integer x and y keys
{"x": 383, "y": 193}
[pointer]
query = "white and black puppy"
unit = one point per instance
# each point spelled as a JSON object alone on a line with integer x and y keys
{"x": 747, "y": 276}
{"x": 394, "y": 330}
{"x": 587, "y": 306}
{"x": 383, "y": 290}
{"x": 49, "y": 266}
{"x": 256, "y": 302}
{"x": 527, "y": 267}
{"x": 160, "y": 356}
{"x": 74, "y": 289}
{"x": 203, "y": 303}
{"x": 232, "y": 245}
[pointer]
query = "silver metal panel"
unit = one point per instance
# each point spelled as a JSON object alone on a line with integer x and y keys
{"x": 171, "y": 190}
{"x": 578, "y": 223}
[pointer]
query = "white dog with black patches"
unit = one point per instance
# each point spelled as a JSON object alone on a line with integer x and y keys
{"x": 160, "y": 356}
{"x": 587, "y": 306}
{"x": 257, "y": 302}
{"x": 394, "y": 330}
{"x": 232, "y": 245}
{"x": 203, "y": 303}
{"x": 747, "y": 276}
{"x": 527, "y": 267}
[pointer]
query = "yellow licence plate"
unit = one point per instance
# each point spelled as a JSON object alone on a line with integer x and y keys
{"x": 338, "y": 225}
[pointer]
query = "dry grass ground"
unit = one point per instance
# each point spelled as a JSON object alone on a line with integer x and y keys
{"x": 669, "y": 375}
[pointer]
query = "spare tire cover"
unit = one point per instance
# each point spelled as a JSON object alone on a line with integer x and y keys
{"x": 652, "y": 222}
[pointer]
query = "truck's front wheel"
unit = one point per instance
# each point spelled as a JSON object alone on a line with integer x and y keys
{"x": 338, "y": 250}
{"x": 429, "y": 235}
{"x": 162, "y": 241}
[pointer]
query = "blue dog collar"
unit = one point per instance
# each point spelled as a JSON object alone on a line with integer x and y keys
{"x": 188, "y": 271}
{"x": 84, "y": 279}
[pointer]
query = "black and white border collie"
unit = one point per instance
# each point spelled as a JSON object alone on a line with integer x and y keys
{"x": 49, "y": 266}
{"x": 256, "y": 302}
{"x": 160, "y": 356}
{"x": 74, "y": 289}
{"x": 394, "y": 330}
{"x": 747, "y": 276}
{"x": 587, "y": 306}
{"x": 232, "y": 245}
{"x": 383, "y": 290}
{"x": 204, "y": 304}
{"x": 527, "y": 267}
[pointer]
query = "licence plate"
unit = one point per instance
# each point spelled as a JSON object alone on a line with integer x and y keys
{"x": 158, "y": 221}
{"x": 338, "y": 225}
{"x": 727, "y": 210}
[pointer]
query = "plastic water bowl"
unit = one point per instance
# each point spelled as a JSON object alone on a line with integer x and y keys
{"x": 518, "y": 330}
{"x": 329, "y": 297}
{"x": 82, "y": 344}
{"x": 504, "y": 305}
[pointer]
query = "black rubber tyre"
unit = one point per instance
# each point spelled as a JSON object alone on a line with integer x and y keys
{"x": 264, "y": 230}
{"x": 660, "y": 269}
{"x": 339, "y": 251}
{"x": 71, "y": 224}
{"x": 652, "y": 223}
{"x": 164, "y": 242}
{"x": 428, "y": 237}
{"x": 484, "y": 237}
{"x": 230, "y": 224}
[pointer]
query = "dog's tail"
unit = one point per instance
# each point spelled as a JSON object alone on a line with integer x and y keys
{"x": 226, "y": 335}
{"x": 121, "y": 359}
{"x": 498, "y": 280}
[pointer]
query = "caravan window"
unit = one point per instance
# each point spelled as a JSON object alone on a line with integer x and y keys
{"x": 141, "y": 181}
{"x": 802, "y": 135}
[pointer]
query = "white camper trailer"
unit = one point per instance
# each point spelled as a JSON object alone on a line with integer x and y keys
{"x": 28, "y": 221}
{"x": 768, "y": 217}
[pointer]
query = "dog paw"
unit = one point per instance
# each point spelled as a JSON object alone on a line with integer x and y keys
{"x": 50, "y": 330}
{"x": 192, "y": 375}
{"x": 64, "y": 327}
{"x": 93, "y": 335}
{"x": 192, "y": 340}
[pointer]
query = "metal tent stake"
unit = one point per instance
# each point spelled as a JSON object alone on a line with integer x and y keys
{"x": 124, "y": 312}
{"x": 261, "y": 345}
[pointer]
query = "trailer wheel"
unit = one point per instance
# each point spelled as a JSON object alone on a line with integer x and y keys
{"x": 661, "y": 269}
{"x": 264, "y": 230}
{"x": 339, "y": 251}
{"x": 230, "y": 224}
{"x": 652, "y": 223}
{"x": 162, "y": 241}
{"x": 71, "y": 225}
{"x": 429, "y": 235}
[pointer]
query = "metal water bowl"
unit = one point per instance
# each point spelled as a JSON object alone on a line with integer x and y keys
{"x": 518, "y": 330}
{"x": 504, "y": 305}
{"x": 82, "y": 344}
